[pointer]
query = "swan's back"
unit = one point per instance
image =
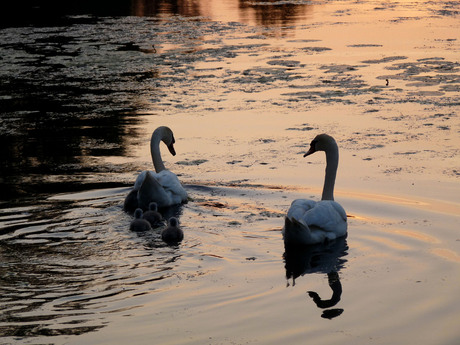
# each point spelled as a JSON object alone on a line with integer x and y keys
{"x": 299, "y": 207}
{"x": 140, "y": 179}
{"x": 172, "y": 185}
{"x": 130, "y": 204}
{"x": 310, "y": 222}
{"x": 164, "y": 188}
{"x": 328, "y": 216}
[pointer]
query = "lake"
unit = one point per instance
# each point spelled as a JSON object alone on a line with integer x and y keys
{"x": 245, "y": 86}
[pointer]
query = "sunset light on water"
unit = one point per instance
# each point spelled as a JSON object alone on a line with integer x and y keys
{"x": 245, "y": 86}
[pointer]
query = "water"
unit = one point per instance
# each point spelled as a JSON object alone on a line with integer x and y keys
{"x": 245, "y": 86}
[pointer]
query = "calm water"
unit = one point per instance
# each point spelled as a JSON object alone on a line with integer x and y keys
{"x": 245, "y": 85}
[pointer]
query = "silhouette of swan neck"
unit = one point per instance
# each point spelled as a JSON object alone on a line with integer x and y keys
{"x": 332, "y": 163}
{"x": 157, "y": 137}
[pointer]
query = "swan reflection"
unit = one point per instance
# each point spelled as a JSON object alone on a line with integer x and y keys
{"x": 320, "y": 258}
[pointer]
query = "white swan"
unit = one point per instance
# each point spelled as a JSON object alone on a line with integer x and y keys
{"x": 161, "y": 186}
{"x": 310, "y": 222}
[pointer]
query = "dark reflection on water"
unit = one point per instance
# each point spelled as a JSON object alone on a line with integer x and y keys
{"x": 72, "y": 88}
{"x": 187, "y": 8}
{"x": 54, "y": 12}
{"x": 62, "y": 13}
{"x": 323, "y": 258}
{"x": 275, "y": 13}
{"x": 60, "y": 110}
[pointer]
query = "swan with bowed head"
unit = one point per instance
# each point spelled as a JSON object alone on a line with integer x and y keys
{"x": 162, "y": 186}
{"x": 310, "y": 222}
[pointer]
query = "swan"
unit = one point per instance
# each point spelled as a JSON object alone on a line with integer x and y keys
{"x": 153, "y": 216}
{"x": 310, "y": 222}
{"x": 161, "y": 186}
{"x": 172, "y": 233}
{"x": 138, "y": 223}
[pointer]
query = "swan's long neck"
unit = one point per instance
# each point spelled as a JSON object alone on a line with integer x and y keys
{"x": 155, "y": 151}
{"x": 332, "y": 162}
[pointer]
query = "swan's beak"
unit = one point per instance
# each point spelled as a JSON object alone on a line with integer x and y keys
{"x": 310, "y": 151}
{"x": 171, "y": 149}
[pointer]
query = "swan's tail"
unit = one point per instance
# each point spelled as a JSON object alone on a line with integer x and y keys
{"x": 296, "y": 231}
{"x": 294, "y": 224}
{"x": 287, "y": 224}
{"x": 151, "y": 190}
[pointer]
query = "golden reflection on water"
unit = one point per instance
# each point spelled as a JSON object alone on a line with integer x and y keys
{"x": 431, "y": 205}
{"x": 387, "y": 242}
{"x": 225, "y": 121}
{"x": 416, "y": 235}
{"x": 446, "y": 254}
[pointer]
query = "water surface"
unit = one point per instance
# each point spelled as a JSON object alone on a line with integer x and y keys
{"x": 245, "y": 86}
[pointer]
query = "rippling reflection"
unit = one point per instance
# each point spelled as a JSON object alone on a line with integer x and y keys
{"x": 52, "y": 12}
{"x": 65, "y": 100}
{"x": 275, "y": 13}
{"x": 65, "y": 265}
{"x": 323, "y": 258}
{"x": 189, "y": 8}
{"x": 77, "y": 79}
{"x": 72, "y": 90}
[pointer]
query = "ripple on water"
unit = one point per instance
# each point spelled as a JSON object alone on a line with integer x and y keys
{"x": 82, "y": 270}
{"x": 69, "y": 264}
{"x": 66, "y": 261}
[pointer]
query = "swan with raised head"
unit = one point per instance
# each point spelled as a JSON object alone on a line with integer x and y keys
{"x": 161, "y": 186}
{"x": 172, "y": 233}
{"x": 311, "y": 222}
{"x": 138, "y": 223}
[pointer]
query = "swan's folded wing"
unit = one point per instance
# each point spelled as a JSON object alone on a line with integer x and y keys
{"x": 151, "y": 190}
{"x": 328, "y": 216}
{"x": 140, "y": 179}
{"x": 172, "y": 185}
{"x": 341, "y": 212}
{"x": 292, "y": 223}
{"x": 299, "y": 207}
{"x": 295, "y": 231}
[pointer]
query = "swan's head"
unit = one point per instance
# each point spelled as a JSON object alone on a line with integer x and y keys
{"x": 166, "y": 135}
{"x": 322, "y": 142}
